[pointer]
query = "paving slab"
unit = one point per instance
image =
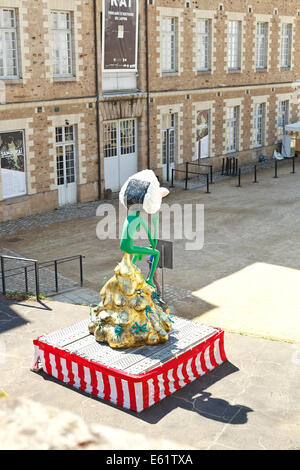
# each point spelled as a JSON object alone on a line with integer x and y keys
{"x": 249, "y": 402}
{"x": 262, "y": 299}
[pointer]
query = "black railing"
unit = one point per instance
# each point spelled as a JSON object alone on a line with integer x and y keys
{"x": 187, "y": 172}
{"x": 36, "y": 267}
{"x": 258, "y": 165}
{"x": 210, "y": 169}
{"x": 230, "y": 166}
{"x": 277, "y": 162}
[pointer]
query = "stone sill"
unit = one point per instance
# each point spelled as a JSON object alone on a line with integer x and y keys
{"x": 15, "y": 200}
{"x": 120, "y": 92}
{"x": 170, "y": 74}
{"x": 12, "y": 81}
{"x": 64, "y": 79}
{"x": 204, "y": 72}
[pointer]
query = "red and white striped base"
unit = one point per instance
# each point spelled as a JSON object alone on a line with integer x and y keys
{"x": 131, "y": 391}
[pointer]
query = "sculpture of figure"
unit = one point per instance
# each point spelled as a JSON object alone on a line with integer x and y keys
{"x": 130, "y": 313}
{"x": 142, "y": 188}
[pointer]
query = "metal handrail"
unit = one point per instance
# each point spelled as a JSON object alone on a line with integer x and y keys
{"x": 187, "y": 172}
{"x": 19, "y": 258}
{"x": 36, "y": 268}
{"x": 62, "y": 260}
{"x": 206, "y": 166}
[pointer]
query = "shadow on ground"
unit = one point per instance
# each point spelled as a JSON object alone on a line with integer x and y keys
{"x": 192, "y": 397}
{"x": 9, "y": 318}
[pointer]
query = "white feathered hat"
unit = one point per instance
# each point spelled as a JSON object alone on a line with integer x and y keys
{"x": 143, "y": 188}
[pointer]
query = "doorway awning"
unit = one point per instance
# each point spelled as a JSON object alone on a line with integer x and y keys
{"x": 295, "y": 127}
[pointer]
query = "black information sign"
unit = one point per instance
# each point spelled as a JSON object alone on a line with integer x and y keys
{"x": 166, "y": 254}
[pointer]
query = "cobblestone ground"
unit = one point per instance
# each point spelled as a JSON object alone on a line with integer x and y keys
{"x": 68, "y": 289}
{"x": 83, "y": 296}
{"x": 86, "y": 210}
{"x": 71, "y": 211}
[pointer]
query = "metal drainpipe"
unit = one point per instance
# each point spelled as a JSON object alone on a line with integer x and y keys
{"x": 97, "y": 99}
{"x": 147, "y": 85}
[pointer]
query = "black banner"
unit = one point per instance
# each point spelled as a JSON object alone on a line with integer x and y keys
{"x": 119, "y": 41}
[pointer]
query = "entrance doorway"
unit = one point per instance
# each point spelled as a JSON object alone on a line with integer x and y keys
{"x": 120, "y": 152}
{"x": 169, "y": 145}
{"x": 202, "y": 135}
{"x": 66, "y": 165}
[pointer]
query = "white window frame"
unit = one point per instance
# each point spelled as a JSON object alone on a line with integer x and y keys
{"x": 169, "y": 129}
{"x": 169, "y": 44}
{"x": 63, "y": 144}
{"x": 13, "y": 31}
{"x": 283, "y": 113}
{"x": 259, "y": 114}
{"x": 261, "y": 45}
{"x": 204, "y": 44}
{"x": 63, "y": 34}
{"x": 204, "y": 126}
{"x": 234, "y": 44}
{"x": 232, "y": 129}
{"x": 286, "y": 45}
{"x": 116, "y": 142}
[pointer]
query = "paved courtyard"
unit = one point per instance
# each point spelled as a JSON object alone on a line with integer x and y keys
{"x": 249, "y": 402}
{"x": 245, "y": 280}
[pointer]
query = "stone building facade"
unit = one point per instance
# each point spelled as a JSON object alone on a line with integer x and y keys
{"x": 212, "y": 79}
{"x": 40, "y": 102}
{"x": 233, "y": 80}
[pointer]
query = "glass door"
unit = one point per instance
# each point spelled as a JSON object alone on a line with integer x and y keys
{"x": 120, "y": 152}
{"x": 66, "y": 167}
{"x": 168, "y": 145}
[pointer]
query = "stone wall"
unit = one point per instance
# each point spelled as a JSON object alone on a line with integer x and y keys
{"x": 37, "y": 102}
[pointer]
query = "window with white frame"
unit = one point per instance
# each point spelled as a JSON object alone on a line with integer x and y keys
{"x": 8, "y": 44}
{"x": 234, "y": 45}
{"x": 65, "y": 155}
{"x": 203, "y": 134}
{"x": 203, "y": 44}
{"x": 119, "y": 138}
{"x": 283, "y": 118}
{"x": 259, "y": 125}
{"x": 232, "y": 119}
{"x": 169, "y": 125}
{"x": 261, "y": 45}
{"x": 283, "y": 113}
{"x": 169, "y": 44}
{"x": 62, "y": 44}
{"x": 286, "y": 45}
{"x": 110, "y": 139}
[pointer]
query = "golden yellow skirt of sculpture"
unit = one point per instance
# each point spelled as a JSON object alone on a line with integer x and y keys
{"x": 129, "y": 313}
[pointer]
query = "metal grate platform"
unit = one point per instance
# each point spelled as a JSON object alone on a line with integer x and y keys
{"x": 77, "y": 340}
